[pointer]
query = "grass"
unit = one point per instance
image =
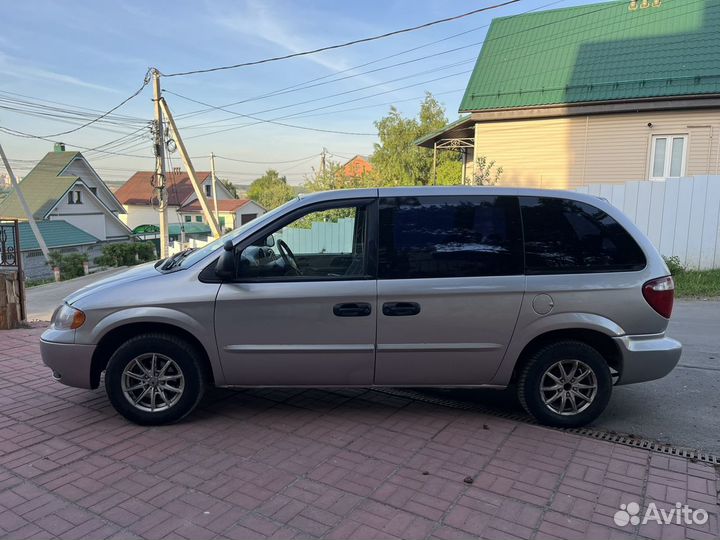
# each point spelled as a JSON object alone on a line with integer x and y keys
{"x": 35, "y": 282}
{"x": 697, "y": 283}
{"x": 693, "y": 283}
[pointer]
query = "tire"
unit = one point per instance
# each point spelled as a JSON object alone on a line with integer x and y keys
{"x": 541, "y": 378}
{"x": 177, "y": 390}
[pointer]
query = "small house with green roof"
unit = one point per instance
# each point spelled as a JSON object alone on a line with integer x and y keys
{"x": 63, "y": 186}
{"x": 611, "y": 92}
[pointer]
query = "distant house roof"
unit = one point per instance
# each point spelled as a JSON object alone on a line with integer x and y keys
{"x": 224, "y": 205}
{"x": 138, "y": 190}
{"x": 357, "y": 166}
{"x": 56, "y": 233}
{"x": 42, "y": 186}
{"x": 598, "y": 52}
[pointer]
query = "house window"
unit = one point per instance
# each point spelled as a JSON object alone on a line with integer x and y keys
{"x": 246, "y": 218}
{"x": 198, "y": 218}
{"x": 222, "y": 221}
{"x": 74, "y": 197}
{"x": 93, "y": 190}
{"x": 208, "y": 190}
{"x": 668, "y": 156}
{"x": 188, "y": 219}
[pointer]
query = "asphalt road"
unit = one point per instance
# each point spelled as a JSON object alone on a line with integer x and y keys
{"x": 682, "y": 408}
{"x": 43, "y": 299}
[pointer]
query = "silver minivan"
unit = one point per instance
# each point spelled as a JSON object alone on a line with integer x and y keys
{"x": 555, "y": 293}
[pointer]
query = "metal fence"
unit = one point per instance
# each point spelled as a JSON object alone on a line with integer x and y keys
{"x": 681, "y": 216}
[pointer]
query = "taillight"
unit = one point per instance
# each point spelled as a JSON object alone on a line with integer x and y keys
{"x": 660, "y": 294}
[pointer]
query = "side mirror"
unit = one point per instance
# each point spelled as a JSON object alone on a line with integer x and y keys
{"x": 226, "y": 267}
{"x": 270, "y": 241}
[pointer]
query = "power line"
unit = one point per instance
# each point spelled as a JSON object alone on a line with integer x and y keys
{"x": 345, "y": 44}
{"x": 262, "y": 120}
{"x": 146, "y": 81}
{"x": 313, "y": 156}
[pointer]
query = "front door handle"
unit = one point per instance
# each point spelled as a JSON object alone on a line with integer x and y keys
{"x": 352, "y": 309}
{"x": 400, "y": 309}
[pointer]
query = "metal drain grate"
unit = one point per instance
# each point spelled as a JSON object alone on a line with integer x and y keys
{"x": 624, "y": 439}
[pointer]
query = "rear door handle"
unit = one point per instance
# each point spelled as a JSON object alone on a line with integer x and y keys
{"x": 400, "y": 309}
{"x": 352, "y": 309}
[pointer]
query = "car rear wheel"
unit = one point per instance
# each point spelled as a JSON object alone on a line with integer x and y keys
{"x": 154, "y": 379}
{"x": 565, "y": 384}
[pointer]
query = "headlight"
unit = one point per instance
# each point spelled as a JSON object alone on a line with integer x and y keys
{"x": 67, "y": 318}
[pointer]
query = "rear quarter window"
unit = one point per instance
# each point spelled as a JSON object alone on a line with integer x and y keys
{"x": 565, "y": 236}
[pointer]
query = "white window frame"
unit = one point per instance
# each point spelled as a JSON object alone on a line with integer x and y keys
{"x": 668, "y": 154}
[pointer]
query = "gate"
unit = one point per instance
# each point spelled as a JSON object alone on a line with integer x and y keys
{"x": 13, "y": 281}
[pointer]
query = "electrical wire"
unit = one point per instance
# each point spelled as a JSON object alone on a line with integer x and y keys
{"x": 342, "y": 45}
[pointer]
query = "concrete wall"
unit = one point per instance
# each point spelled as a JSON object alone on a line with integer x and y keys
{"x": 574, "y": 151}
{"x": 145, "y": 215}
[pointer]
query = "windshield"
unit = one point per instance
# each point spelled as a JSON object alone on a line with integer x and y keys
{"x": 215, "y": 245}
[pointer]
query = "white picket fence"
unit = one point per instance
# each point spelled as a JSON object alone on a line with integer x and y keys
{"x": 681, "y": 216}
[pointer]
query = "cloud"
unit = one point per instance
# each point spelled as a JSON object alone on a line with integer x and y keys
{"x": 20, "y": 69}
{"x": 266, "y": 22}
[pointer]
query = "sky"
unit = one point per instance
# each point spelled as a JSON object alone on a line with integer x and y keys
{"x": 93, "y": 54}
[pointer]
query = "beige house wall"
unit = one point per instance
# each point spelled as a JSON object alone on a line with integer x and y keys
{"x": 574, "y": 151}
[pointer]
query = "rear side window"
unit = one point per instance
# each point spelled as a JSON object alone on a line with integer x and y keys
{"x": 564, "y": 236}
{"x": 438, "y": 237}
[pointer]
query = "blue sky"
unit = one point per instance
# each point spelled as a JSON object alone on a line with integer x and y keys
{"x": 94, "y": 54}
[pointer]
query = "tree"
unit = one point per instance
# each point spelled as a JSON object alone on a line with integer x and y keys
{"x": 398, "y": 161}
{"x": 270, "y": 190}
{"x": 334, "y": 177}
{"x": 231, "y": 188}
{"x": 484, "y": 174}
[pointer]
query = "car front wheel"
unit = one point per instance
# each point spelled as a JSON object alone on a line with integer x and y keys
{"x": 565, "y": 384}
{"x": 154, "y": 379}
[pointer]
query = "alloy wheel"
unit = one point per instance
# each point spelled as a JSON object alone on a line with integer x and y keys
{"x": 568, "y": 387}
{"x": 152, "y": 382}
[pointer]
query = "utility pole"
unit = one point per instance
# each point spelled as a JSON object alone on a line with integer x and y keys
{"x": 213, "y": 180}
{"x": 160, "y": 166}
{"x": 323, "y": 161}
{"x": 190, "y": 170}
{"x": 25, "y": 207}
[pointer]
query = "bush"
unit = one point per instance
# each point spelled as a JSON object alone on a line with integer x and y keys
{"x": 71, "y": 265}
{"x": 674, "y": 265}
{"x": 127, "y": 254}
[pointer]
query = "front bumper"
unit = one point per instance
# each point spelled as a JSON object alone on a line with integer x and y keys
{"x": 647, "y": 357}
{"x": 70, "y": 363}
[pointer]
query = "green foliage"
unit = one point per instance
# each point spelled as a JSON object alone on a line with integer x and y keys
{"x": 674, "y": 265}
{"x": 693, "y": 283}
{"x": 271, "y": 190}
{"x": 71, "y": 265}
{"x": 334, "y": 178}
{"x": 449, "y": 173}
{"x": 484, "y": 174}
{"x": 398, "y": 161}
{"x": 126, "y": 254}
{"x": 37, "y": 282}
{"x": 231, "y": 188}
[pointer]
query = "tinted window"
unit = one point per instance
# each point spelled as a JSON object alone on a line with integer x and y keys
{"x": 568, "y": 236}
{"x": 431, "y": 237}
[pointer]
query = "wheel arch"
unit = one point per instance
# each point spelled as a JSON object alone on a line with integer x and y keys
{"x": 119, "y": 334}
{"x": 599, "y": 341}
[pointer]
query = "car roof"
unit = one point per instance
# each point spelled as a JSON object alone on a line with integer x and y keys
{"x": 417, "y": 191}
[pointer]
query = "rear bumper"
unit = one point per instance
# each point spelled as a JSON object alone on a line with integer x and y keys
{"x": 69, "y": 362}
{"x": 647, "y": 357}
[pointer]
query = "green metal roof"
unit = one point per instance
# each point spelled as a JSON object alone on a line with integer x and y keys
{"x": 56, "y": 233}
{"x": 42, "y": 187}
{"x": 598, "y": 52}
{"x": 190, "y": 228}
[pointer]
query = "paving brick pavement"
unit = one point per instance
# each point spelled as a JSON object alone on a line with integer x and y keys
{"x": 312, "y": 463}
